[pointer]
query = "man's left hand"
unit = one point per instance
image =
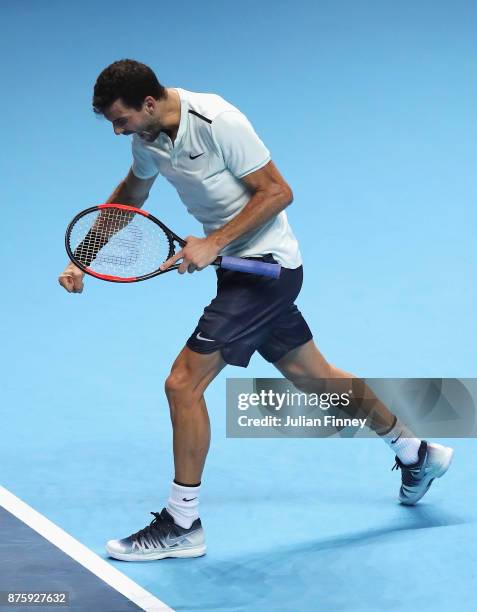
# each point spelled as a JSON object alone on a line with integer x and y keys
{"x": 196, "y": 255}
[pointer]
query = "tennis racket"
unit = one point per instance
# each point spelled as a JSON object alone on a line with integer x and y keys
{"x": 124, "y": 244}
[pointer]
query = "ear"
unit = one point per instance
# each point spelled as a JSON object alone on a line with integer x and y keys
{"x": 149, "y": 104}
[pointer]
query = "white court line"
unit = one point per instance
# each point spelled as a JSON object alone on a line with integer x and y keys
{"x": 80, "y": 553}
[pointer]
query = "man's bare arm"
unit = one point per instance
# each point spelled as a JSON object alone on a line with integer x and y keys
{"x": 133, "y": 191}
{"x": 270, "y": 195}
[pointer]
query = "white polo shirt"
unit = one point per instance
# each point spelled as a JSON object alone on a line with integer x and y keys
{"x": 216, "y": 146}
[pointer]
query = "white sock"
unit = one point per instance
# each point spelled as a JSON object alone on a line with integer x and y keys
{"x": 183, "y": 504}
{"x": 403, "y": 443}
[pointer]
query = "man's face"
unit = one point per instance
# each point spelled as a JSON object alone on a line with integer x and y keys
{"x": 127, "y": 120}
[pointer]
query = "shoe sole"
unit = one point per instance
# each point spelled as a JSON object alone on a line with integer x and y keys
{"x": 197, "y": 551}
{"x": 443, "y": 457}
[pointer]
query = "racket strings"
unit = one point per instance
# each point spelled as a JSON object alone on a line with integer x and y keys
{"x": 119, "y": 243}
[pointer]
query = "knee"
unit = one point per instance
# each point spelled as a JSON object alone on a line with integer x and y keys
{"x": 178, "y": 383}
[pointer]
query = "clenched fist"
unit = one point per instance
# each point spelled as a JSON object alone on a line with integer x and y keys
{"x": 72, "y": 279}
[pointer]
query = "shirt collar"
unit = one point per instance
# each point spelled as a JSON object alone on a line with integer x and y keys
{"x": 183, "y": 120}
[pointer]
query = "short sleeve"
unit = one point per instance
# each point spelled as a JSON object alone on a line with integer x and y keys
{"x": 242, "y": 149}
{"x": 143, "y": 165}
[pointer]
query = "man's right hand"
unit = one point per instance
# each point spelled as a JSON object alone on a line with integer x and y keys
{"x": 72, "y": 279}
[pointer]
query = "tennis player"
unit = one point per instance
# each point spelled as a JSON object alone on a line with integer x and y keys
{"x": 226, "y": 178}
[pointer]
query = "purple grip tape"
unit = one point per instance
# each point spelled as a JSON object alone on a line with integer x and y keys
{"x": 251, "y": 266}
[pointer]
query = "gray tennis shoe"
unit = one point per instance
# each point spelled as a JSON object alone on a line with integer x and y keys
{"x": 161, "y": 538}
{"x": 434, "y": 461}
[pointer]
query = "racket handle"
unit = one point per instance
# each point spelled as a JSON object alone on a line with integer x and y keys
{"x": 251, "y": 266}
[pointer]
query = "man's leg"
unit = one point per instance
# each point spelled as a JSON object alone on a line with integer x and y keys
{"x": 190, "y": 376}
{"x": 305, "y": 366}
{"x": 420, "y": 462}
{"x": 177, "y": 530}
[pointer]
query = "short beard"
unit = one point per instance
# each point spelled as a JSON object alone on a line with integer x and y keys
{"x": 152, "y": 131}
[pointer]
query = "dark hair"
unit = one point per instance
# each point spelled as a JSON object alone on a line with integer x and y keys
{"x": 129, "y": 81}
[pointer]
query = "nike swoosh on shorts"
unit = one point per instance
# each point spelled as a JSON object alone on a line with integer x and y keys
{"x": 199, "y": 336}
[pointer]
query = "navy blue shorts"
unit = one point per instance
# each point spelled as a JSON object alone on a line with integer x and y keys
{"x": 252, "y": 313}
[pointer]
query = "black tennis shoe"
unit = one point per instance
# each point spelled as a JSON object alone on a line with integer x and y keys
{"x": 161, "y": 538}
{"x": 434, "y": 461}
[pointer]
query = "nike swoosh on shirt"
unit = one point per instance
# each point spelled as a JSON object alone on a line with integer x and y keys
{"x": 195, "y": 156}
{"x": 199, "y": 336}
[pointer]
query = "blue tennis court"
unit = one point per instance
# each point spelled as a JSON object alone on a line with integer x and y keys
{"x": 368, "y": 111}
